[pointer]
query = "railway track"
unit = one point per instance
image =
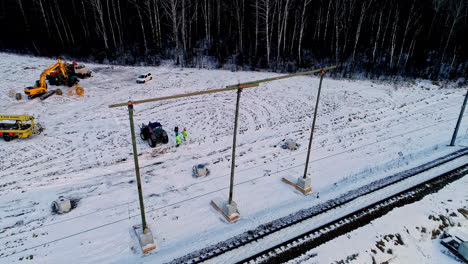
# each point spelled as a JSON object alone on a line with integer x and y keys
{"x": 297, "y": 246}
{"x": 310, "y": 239}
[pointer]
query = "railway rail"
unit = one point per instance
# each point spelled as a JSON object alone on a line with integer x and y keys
{"x": 309, "y": 239}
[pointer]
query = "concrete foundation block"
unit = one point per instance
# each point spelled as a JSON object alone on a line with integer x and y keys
{"x": 304, "y": 183}
{"x": 229, "y": 211}
{"x": 301, "y": 184}
{"x": 145, "y": 239}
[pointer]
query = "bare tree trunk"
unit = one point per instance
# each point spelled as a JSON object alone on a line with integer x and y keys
{"x": 175, "y": 25}
{"x": 364, "y": 8}
{"x": 25, "y": 19}
{"x": 110, "y": 24}
{"x": 457, "y": 7}
{"x": 256, "y": 26}
{"x": 239, "y": 12}
{"x": 142, "y": 27}
{"x": 437, "y": 5}
{"x": 453, "y": 59}
{"x": 267, "y": 23}
{"x": 346, "y": 26}
{"x": 377, "y": 36}
{"x": 279, "y": 30}
{"x": 265, "y": 12}
{"x": 386, "y": 26}
{"x": 405, "y": 33}
{"x": 44, "y": 16}
{"x": 170, "y": 7}
{"x": 157, "y": 18}
{"x": 412, "y": 45}
{"x": 148, "y": 13}
{"x": 285, "y": 23}
{"x": 122, "y": 33}
{"x": 326, "y": 21}
{"x": 207, "y": 19}
{"x": 80, "y": 17}
{"x": 117, "y": 23}
{"x": 395, "y": 27}
{"x": 218, "y": 27}
{"x": 294, "y": 34}
{"x": 71, "y": 33}
{"x": 183, "y": 28}
{"x": 301, "y": 31}
{"x": 196, "y": 17}
{"x": 99, "y": 16}
{"x": 317, "y": 25}
{"x": 54, "y": 22}
{"x": 338, "y": 15}
{"x": 60, "y": 18}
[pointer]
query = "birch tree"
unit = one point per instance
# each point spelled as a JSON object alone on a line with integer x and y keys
{"x": 142, "y": 27}
{"x": 411, "y": 21}
{"x": 170, "y": 8}
{"x": 265, "y": 10}
{"x": 394, "y": 35}
{"x": 98, "y": 11}
{"x": 364, "y": 9}
{"x": 239, "y": 6}
{"x": 44, "y": 17}
{"x": 457, "y": 13}
{"x": 206, "y": 10}
{"x": 301, "y": 31}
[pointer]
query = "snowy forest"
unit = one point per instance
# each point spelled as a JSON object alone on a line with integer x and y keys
{"x": 371, "y": 38}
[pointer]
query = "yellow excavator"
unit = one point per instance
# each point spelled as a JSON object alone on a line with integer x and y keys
{"x": 40, "y": 89}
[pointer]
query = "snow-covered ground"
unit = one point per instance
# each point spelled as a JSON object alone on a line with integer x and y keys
{"x": 365, "y": 131}
{"x": 410, "y": 234}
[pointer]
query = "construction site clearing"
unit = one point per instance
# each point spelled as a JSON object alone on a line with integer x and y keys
{"x": 366, "y": 130}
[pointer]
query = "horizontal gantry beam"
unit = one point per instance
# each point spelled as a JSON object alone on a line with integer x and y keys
{"x": 227, "y": 88}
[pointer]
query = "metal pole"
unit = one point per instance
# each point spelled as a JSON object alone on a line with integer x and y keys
{"x": 452, "y": 143}
{"x": 137, "y": 167}
{"x": 233, "y": 158}
{"x": 313, "y": 124}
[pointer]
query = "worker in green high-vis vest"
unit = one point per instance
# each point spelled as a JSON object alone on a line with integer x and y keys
{"x": 184, "y": 134}
{"x": 176, "y": 130}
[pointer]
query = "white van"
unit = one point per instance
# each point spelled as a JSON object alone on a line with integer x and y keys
{"x": 142, "y": 78}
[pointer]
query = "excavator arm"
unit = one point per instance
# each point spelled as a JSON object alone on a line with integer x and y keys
{"x": 51, "y": 68}
{"x": 41, "y": 87}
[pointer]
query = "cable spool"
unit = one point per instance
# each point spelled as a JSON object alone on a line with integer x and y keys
{"x": 70, "y": 91}
{"x": 200, "y": 170}
{"x": 58, "y": 92}
{"x": 290, "y": 144}
{"x": 61, "y": 205}
{"x": 18, "y": 96}
{"x": 79, "y": 91}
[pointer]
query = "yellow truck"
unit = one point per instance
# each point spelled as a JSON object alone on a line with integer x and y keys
{"x": 18, "y": 126}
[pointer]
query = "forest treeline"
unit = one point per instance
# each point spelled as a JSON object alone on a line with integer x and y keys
{"x": 374, "y": 38}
